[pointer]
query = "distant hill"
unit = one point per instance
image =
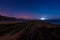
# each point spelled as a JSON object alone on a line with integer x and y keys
{"x": 5, "y": 18}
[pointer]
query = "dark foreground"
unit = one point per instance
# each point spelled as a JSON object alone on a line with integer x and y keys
{"x": 31, "y": 30}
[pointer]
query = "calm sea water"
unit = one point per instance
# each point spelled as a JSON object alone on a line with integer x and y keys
{"x": 49, "y": 21}
{"x": 53, "y": 21}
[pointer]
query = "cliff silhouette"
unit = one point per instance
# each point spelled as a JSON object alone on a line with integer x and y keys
{"x": 5, "y": 18}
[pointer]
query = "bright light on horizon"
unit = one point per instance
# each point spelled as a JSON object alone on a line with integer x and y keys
{"x": 43, "y": 18}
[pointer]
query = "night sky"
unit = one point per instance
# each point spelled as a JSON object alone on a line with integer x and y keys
{"x": 33, "y": 9}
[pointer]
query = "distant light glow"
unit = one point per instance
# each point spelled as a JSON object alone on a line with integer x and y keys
{"x": 43, "y": 18}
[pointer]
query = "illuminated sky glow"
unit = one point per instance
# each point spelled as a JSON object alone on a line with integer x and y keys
{"x": 33, "y": 9}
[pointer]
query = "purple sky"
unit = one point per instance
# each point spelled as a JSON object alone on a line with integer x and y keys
{"x": 33, "y": 9}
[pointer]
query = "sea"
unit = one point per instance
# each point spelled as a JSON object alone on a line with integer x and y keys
{"x": 57, "y": 22}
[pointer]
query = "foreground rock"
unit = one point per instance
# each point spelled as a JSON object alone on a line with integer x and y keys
{"x": 31, "y": 30}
